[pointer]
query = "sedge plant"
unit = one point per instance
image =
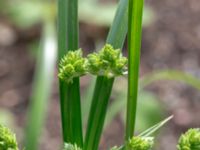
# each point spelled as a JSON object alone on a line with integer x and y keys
{"x": 106, "y": 64}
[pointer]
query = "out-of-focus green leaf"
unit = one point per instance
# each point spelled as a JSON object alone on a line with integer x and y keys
{"x": 26, "y": 13}
{"x": 149, "y": 110}
{"x": 43, "y": 79}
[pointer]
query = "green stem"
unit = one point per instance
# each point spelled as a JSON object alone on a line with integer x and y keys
{"x": 104, "y": 85}
{"x": 69, "y": 92}
{"x": 99, "y": 105}
{"x": 62, "y": 28}
{"x": 134, "y": 45}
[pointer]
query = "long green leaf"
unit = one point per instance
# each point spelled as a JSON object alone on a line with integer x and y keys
{"x": 103, "y": 85}
{"x": 42, "y": 87}
{"x": 69, "y": 93}
{"x": 134, "y": 45}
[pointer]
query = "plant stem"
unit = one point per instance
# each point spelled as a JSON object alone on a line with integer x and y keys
{"x": 134, "y": 45}
{"x": 99, "y": 105}
{"x": 62, "y": 28}
{"x": 103, "y": 85}
{"x": 69, "y": 92}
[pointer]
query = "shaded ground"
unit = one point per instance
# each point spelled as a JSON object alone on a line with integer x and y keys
{"x": 172, "y": 41}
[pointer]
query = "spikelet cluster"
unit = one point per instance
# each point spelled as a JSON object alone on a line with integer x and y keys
{"x": 190, "y": 140}
{"x": 140, "y": 143}
{"x": 7, "y": 139}
{"x": 72, "y": 65}
{"x": 107, "y": 62}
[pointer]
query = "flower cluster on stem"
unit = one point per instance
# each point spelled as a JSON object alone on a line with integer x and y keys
{"x": 107, "y": 62}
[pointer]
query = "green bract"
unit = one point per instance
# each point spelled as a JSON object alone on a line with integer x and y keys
{"x": 107, "y": 62}
{"x": 68, "y": 146}
{"x": 72, "y": 65}
{"x": 140, "y": 143}
{"x": 190, "y": 140}
{"x": 7, "y": 139}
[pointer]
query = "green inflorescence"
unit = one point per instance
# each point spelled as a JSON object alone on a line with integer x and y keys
{"x": 72, "y": 65}
{"x": 7, "y": 139}
{"x": 140, "y": 143}
{"x": 190, "y": 140}
{"x": 107, "y": 62}
{"x": 68, "y": 146}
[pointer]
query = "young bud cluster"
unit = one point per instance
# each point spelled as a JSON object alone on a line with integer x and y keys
{"x": 190, "y": 140}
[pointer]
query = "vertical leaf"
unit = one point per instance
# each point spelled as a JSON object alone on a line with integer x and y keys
{"x": 69, "y": 92}
{"x": 104, "y": 85}
{"x": 41, "y": 87}
{"x": 134, "y": 45}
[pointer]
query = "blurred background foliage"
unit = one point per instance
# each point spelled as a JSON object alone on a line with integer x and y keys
{"x": 167, "y": 40}
{"x": 28, "y": 13}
